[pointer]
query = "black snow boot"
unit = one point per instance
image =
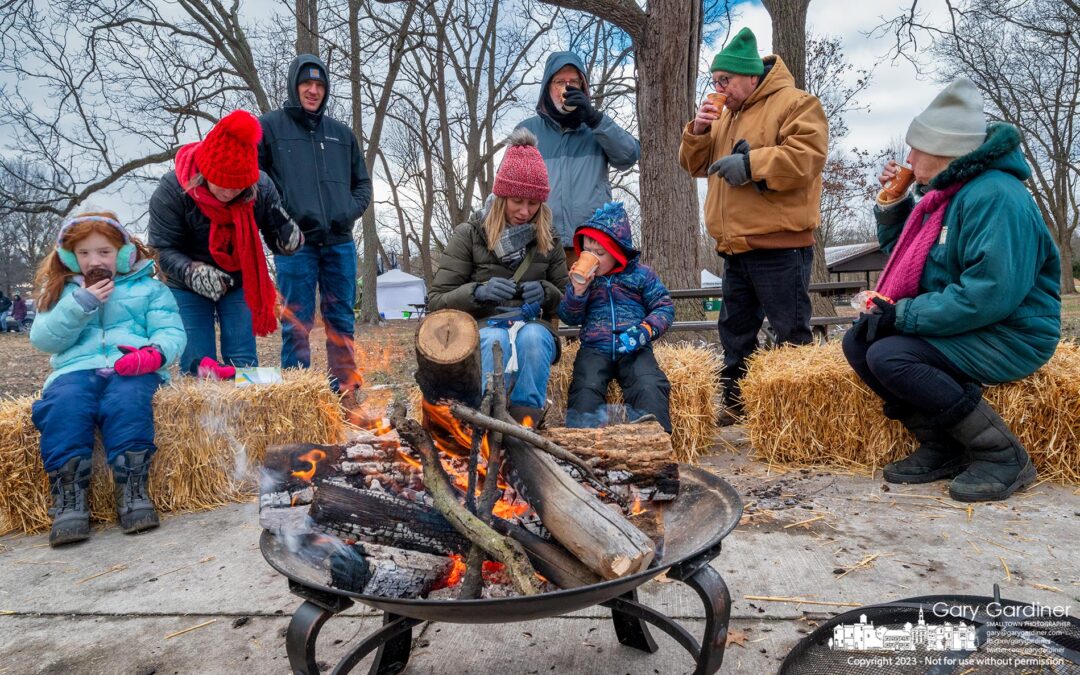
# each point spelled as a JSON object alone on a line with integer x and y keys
{"x": 1000, "y": 466}
{"x": 70, "y": 488}
{"x": 938, "y": 456}
{"x": 131, "y": 471}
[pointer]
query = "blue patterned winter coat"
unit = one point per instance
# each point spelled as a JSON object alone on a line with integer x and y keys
{"x": 615, "y": 302}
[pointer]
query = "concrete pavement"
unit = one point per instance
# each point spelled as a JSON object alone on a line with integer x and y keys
{"x": 109, "y": 605}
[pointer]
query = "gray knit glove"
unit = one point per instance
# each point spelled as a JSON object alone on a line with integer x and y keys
{"x": 207, "y": 280}
{"x": 495, "y": 290}
{"x": 735, "y": 169}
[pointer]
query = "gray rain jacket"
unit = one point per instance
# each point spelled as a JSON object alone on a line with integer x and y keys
{"x": 578, "y": 160}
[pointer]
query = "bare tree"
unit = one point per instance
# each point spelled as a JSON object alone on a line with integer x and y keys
{"x": 127, "y": 82}
{"x": 307, "y": 26}
{"x": 1024, "y": 56}
{"x": 789, "y": 34}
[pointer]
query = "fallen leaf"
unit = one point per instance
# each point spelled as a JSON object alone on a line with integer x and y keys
{"x": 735, "y": 637}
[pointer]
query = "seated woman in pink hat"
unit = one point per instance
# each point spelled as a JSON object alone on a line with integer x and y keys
{"x": 507, "y": 261}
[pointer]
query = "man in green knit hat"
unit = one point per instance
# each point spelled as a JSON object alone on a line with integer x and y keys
{"x": 762, "y": 151}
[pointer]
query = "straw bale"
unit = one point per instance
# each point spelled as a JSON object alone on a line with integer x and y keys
{"x": 211, "y": 439}
{"x": 805, "y": 407}
{"x": 695, "y": 388}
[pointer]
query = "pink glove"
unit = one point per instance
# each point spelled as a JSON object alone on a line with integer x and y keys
{"x": 141, "y": 361}
{"x": 212, "y": 370}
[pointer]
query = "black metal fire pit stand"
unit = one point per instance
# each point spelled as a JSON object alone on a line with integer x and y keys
{"x": 631, "y": 618}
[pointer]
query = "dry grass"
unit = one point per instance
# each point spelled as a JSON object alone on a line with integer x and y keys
{"x": 806, "y": 407}
{"x": 211, "y": 439}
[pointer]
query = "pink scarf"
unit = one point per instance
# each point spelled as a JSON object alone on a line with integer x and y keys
{"x": 900, "y": 279}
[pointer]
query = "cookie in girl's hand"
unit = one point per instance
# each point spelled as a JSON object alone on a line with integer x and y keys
{"x": 97, "y": 274}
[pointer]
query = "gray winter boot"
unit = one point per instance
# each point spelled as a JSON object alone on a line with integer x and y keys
{"x": 70, "y": 488}
{"x": 1000, "y": 464}
{"x": 937, "y": 456}
{"x": 131, "y": 471}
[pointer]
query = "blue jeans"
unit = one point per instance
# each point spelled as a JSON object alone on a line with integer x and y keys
{"x": 906, "y": 371}
{"x": 773, "y": 283}
{"x": 200, "y": 315}
{"x": 74, "y": 403}
{"x": 535, "y": 350}
{"x": 333, "y": 269}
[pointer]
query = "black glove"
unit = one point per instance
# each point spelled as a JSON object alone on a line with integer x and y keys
{"x": 579, "y": 100}
{"x": 495, "y": 290}
{"x": 735, "y": 169}
{"x": 878, "y": 323}
{"x": 532, "y": 292}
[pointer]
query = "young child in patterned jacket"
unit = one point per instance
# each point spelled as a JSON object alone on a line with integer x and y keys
{"x": 622, "y": 308}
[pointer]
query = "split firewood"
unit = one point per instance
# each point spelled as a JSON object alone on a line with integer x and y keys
{"x": 385, "y": 571}
{"x": 638, "y": 454}
{"x": 511, "y": 428}
{"x": 505, "y": 550}
{"x": 378, "y": 517}
{"x": 605, "y": 541}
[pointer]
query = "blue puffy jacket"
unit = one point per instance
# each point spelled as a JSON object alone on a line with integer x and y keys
{"x": 140, "y": 311}
{"x": 614, "y": 302}
{"x": 578, "y": 160}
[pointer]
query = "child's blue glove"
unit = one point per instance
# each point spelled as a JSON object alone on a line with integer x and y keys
{"x": 631, "y": 340}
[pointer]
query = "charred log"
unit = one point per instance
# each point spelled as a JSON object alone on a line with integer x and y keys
{"x": 386, "y": 571}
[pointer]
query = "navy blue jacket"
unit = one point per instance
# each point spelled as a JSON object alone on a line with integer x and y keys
{"x": 316, "y": 164}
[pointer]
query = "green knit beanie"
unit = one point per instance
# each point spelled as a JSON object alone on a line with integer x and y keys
{"x": 740, "y": 56}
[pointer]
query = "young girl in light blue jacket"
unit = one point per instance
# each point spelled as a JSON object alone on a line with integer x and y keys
{"x": 112, "y": 330}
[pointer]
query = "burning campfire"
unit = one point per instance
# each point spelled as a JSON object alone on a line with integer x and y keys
{"x": 470, "y": 503}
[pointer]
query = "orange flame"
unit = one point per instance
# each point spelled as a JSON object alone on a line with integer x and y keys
{"x": 312, "y": 457}
{"x": 527, "y": 422}
{"x": 457, "y": 571}
{"x": 637, "y": 507}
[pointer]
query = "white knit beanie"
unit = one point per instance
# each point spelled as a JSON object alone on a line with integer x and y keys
{"x": 953, "y": 124}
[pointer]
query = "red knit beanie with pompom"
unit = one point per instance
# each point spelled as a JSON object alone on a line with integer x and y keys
{"x": 229, "y": 155}
{"x": 522, "y": 173}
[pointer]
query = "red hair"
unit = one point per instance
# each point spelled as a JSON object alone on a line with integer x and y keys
{"x": 52, "y": 273}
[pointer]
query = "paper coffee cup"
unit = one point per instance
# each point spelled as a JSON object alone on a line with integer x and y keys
{"x": 898, "y": 185}
{"x": 717, "y": 99}
{"x": 584, "y": 268}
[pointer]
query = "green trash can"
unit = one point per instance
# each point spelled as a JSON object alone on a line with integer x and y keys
{"x": 712, "y": 304}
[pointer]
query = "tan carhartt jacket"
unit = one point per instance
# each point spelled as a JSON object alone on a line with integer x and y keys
{"x": 789, "y": 137}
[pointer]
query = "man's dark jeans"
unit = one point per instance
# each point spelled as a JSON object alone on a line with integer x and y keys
{"x": 333, "y": 269}
{"x": 906, "y": 371}
{"x": 760, "y": 284}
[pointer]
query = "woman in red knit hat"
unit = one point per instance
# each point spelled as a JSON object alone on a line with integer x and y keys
{"x": 506, "y": 267}
{"x": 205, "y": 221}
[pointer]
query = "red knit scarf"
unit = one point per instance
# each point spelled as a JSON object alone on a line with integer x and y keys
{"x": 900, "y": 279}
{"x": 234, "y": 243}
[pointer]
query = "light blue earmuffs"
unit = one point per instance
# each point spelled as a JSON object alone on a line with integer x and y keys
{"x": 125, "y": 257}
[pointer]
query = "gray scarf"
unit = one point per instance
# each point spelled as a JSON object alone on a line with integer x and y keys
{"x": 510, "y": 248}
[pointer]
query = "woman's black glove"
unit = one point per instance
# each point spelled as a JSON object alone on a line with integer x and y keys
{"x": 879, "y": 322}
{"x": 495, "y": 290}
{"x": 578, "y": 99}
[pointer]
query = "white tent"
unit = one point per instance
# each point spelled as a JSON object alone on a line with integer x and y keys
{"x": 710, "y": 280}
{"x": 396, "y": 292}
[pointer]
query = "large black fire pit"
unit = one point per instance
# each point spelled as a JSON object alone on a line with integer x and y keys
{"x": 707, "y": 509}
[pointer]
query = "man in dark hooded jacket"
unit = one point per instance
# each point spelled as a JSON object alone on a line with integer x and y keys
{"x": 579, "y": 145}
{"x": 318, "y": 167}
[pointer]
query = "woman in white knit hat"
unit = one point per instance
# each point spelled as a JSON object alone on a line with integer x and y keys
{"x": 970, "y": 297}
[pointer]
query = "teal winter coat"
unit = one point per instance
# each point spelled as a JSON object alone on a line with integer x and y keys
{"x": 140, "y": 311}
{"x": 989, "y": 293}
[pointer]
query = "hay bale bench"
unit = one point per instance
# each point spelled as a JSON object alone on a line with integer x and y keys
{"x": 211, "y": 439}
{"x": 694, "y": 373}
{"x": 806, "y": 407}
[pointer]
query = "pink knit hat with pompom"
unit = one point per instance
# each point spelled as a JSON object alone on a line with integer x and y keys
{"x": 522, "y": 173}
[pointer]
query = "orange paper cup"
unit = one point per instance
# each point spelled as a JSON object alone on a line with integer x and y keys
{"x": 584, "y": 268}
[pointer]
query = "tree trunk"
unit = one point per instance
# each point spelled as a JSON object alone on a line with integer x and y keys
{"x": 789, "y": 35}
{"x": 307, "y": 27}
{"x": 667, "y": 73}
